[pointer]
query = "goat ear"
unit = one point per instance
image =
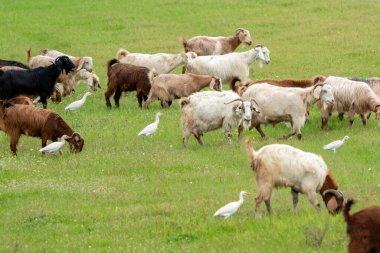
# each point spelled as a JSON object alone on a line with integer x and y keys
{"x": 317, "y": 92}
{"x": 80, "y": 64}
{"x": 59, "y": 64}
{"x": 236, "y": 107}
{"x": 332, "y": 205}
{"x": 212, "y": 83}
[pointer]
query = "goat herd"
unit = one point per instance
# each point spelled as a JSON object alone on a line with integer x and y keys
{"x": 207, "y": 62}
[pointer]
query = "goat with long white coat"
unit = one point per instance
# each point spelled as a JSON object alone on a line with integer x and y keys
{"x": 278, "y": 104}
{"x": 162, "y": 63}
{"x": 280, "y": 165}
{"x": 351, "y": 97}
{"x": 210, "y": 110}
{"x": 230, "y": 67}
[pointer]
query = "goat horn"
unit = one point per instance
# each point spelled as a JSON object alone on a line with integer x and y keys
{"x": 254, "y": 101}
{"x": 77, "y": 134}
{"x": 237, "y": 99}
{"x": 336, "y": 193}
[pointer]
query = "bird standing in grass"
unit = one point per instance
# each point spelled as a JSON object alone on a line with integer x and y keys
{"x": 77, "y": 104}
{"x": 151, "y": 128}
{"x": 231, "y": 208}
{"x": 55, "y": 146}
{"x": 335, "y": 144}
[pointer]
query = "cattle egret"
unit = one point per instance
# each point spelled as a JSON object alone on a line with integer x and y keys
{"x": 335, "y": 144}
{"x": 55, "y": 146}
{"x": 77, "y": 104}
{"x": 229, "y": 209}
{"x": 151, "y": 128}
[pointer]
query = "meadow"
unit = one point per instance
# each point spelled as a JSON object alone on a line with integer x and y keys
{"x": 125, "y": 193}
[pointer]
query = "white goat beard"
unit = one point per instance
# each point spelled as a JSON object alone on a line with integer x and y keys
{"x": 246, "y": 124}
{"x": 261, "y": 64}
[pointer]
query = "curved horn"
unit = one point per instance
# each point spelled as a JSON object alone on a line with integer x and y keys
{"x": 336, "y": 193}
{"x": 254, "y": 101}
{"x": 237, "y": 99}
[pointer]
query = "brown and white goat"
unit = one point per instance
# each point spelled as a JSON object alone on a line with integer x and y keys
{"x": 127, "y": 77}
{"x": 16, "y": 119}
{"x": 281, "y": 83}
{"x": 363, "y": 229}
{"x": 280, "y": 165}
{"x": 167, "y": 87}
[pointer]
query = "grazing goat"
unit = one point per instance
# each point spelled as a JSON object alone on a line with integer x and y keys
{"x": 211, "y": 110}
{"x": 204, "y": 45}
{"x": 281, "y": 83}
{"x": 162, "y": 63}
{"x": 4, "y": 63}
{"x": 39, "y": 81}
{"x": 280, "y": 165}
{"x": 363, "y": 229}
{"x": 127, "y": 77}
{"x": 352, "y": 97}
{"x": 84, "y": 62}
{"x": 278, "y": 104}
{"x": 167, "y": 87}
{"x": 16, "y": 120}
{"x": 68, "y": 81}
{"x": 230, "y": 67}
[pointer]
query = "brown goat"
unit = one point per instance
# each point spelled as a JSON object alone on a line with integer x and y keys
{"x": 16, "y": 119}
{"x": 363, "y": 228}
{"x": 281, "y": 83}
{"x": 127, "y": 77}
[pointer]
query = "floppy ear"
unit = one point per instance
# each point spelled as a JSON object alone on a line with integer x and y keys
{"x": 80, "y": 63}
{"x": 59, "y": 64}
{"x": 317, "y": 92}
{"x": 212, "y": 83}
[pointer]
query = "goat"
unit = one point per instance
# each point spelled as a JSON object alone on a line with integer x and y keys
{"x": 6, "y": 68}
{"x": 18, "y": 119}
{"x": 281, "y": 83}
{"x": 167, "y": 87}
{"x": 210, "y": 110}
{"x": 278, "y": 104}
{"x": 21, "y": 100}
{"x": 127, "y": 77}
{"x": 68, "y": 81}
{"x": 363, "y": 228}
{"x": 230, "y": 67}
{"x": 4, "y": 63}
{"x": 204, "y": 45}
{"x": 39, "y": 81}
{"x": 280, "y": 165}
{"x": 83, "y": 62}
{"x": 352, "y": 97}
{"x": 161, "y": 62}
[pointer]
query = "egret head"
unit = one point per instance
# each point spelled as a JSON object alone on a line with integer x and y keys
{"x": 65, "y": 137}
{"x": 346, "y": 138}
{"x": 87, "y": 93}
{"x": 243, "y": 193}
{"x": 159, "y": 114}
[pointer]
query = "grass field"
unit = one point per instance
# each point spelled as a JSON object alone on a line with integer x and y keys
{"x": 125, "y": 193}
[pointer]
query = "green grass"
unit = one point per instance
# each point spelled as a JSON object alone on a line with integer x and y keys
{"x": 126, "y": 193}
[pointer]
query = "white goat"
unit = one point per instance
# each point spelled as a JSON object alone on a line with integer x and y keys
{"x": 84, "y": 62}
{"x": 230, "y": 67}
{"x": 351, "y": 97}
{"x": 161, "y": 62}
{"x": 280, "y": 165}
{"x": 167, "y": 87}
{"x": 211, "y": 110}
{"x": 278, "y": 104}
{"x": 205, "y": 45}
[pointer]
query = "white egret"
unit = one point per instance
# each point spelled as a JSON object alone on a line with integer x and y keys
{"x": 55, "y": 146}
{"x": 335, "y": 144}
{"x": 151, "y": 128}
{"x": 77, "y": 104}
{"x": 231, "y": 208}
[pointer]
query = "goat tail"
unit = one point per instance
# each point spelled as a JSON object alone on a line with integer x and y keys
{"x": 28, "y": 51}
{"x": 184, "y": 101}
{"x": 347, "y": 208}
{"x": 152, "y": 74}
{"x": 121, "y": 53}
{"x": 250, "y": 151}
{"x": 110, "y": 63}
{"x": 233, "y": 84}
{"x": 183, "y": 41}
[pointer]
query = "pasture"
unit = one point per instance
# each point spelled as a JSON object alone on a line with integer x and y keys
{"x": 127, "y": 193}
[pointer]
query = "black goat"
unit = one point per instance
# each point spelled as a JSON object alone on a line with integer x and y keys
{"x": 12, "y": 63}
{"x": 39, "y": 81}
